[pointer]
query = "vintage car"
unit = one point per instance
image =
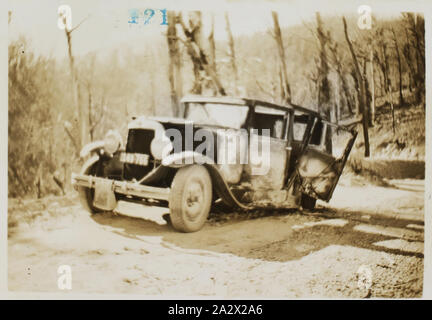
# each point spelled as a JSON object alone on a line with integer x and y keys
{"x": 238, "y": 152}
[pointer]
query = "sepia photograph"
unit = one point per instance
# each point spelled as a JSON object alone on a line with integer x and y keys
{"x": 257, "y": 150}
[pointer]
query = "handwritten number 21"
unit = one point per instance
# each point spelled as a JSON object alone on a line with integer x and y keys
{"x": 164, "y": 16}
{"x": 148, "y": 15}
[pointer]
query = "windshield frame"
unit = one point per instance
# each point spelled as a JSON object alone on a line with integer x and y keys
{"x": 186, "y": 110}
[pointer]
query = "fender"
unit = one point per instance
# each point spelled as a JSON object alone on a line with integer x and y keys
{"x": 223, "y": 190}
{"x": 221, "y": 187}
{"x": 85, "y": 169}
{"x": 89, "y": 163}
{"x": 88, "y": 148}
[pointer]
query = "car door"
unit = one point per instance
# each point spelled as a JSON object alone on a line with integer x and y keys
{"x": 269, "y": 170}
{"x": 321, "y": 162}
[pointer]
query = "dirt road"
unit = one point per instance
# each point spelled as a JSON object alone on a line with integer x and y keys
{"x": 367, "y": 242}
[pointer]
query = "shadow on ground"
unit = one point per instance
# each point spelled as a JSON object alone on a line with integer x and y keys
{"x": 266, "y": 235}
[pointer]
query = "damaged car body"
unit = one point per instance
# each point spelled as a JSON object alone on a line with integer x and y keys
{"x": 303, "y": 156}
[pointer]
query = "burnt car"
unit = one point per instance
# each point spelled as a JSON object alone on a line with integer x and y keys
{"x": 238, "y": 152}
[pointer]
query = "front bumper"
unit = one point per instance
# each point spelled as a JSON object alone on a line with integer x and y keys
{"x": 122, "y": 187}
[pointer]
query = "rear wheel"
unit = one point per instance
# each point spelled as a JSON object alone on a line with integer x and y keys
{"x": 307, "y": 202}
{"x": 190, "y": 198}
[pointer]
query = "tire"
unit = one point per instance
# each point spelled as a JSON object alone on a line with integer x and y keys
{"x": 308, "y": 202}
{"x": 190, "y": 198}
{"x": 86, "y": 195}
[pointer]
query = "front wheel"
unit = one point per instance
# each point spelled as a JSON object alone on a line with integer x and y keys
{"x": 85, "y": 194}
{"x": 190, "y": 198}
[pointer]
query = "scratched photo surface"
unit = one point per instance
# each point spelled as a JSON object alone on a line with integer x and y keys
{"x": 232, "y": 152}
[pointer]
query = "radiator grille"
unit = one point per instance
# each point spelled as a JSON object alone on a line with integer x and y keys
{"x": 138, "y": 141}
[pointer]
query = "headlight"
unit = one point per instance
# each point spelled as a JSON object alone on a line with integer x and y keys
{"x": 112, "y": 141}
{"x": 161, "y": 147}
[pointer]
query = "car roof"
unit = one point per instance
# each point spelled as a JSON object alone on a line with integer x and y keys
{"x": 242, "y": 101}
{"x": 212, "y": 99}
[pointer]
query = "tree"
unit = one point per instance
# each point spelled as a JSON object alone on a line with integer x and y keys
{"x": 174, "y": 67}
{"x": 211, "y": 40}
{"x": 362, "y": 90}
{"x": 372, "y": 86}
{"x": 401, "y": 98}
{"x": 82, "y": 120}
{"x": 283, "y": 74}
{"x": 325, "y": 104}
{"x": 324, "y": 100}
{"x": 334, "y": 50}
{"x": 231, "y": 53}
{"x": 382, "y": 59}
{"x": 406, "y": 50}
{"x": 95, "y": 111}
{"x": 201, "y": 66}
{"x": 414, "y": 23}
{"x": 31, "y": 128}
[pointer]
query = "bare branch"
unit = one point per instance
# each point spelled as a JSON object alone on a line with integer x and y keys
{"x": 71, "y": 137}
{"x": 78, "y": 25}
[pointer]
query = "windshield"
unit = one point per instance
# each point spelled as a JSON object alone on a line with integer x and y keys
{"x": 214, "y": 114}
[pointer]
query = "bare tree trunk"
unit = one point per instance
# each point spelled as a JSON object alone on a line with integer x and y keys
{"x": 82, "y": 122}
{"x": 198, "y": 56}
{"x": 368, "y": 99}
{"x": 73, "y": 140}
{"x": 324, "y": 88}
{"x": 387, "y": 76}
{"x": 333, "y": 46}
{"x": 337, "y": 103}
{"x": 372, "y": 82}
{"x": 353, "y": 74}
{"x": 59, "y": 183}
{"x": 90, "y": 112}
{"x": 392, "y": 110}
{"x": 174, "y": 63}
{"x": 231, "y": 51}
{"x": 90, "y": 106}
{"x": 38, "y": 182}
{"x": 93, "y": 121}
{"x": 212, "y": 51}
{"x": 212, "y": 54}
{"x": 362, "y": 94}
{"x": 410, "y": 67}
{"x": 401, "y": 99}
{"x": 14, "y": 172}
{"x": 416, "y": 27}
{"x": 382, "y": 60}
{"x": 286, "y": 93}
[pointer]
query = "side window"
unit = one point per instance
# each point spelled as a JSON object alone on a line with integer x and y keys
{"x": 317, "y": 134}
{"x": 272, "y": 119}
{"x": 300, "y": 124}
